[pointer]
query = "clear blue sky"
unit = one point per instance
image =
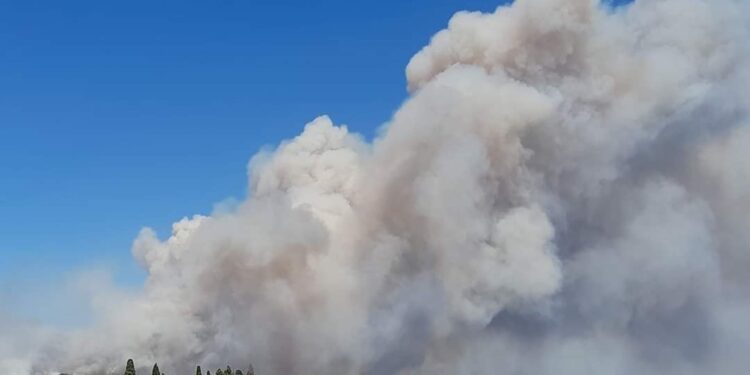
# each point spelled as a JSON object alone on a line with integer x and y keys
{"x": 119, "y": 115}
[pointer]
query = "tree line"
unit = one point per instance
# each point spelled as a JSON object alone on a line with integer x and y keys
{"x": 130, "y": 370}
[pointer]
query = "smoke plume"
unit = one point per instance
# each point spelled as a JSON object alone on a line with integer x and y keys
{"x": 565, "y": 191}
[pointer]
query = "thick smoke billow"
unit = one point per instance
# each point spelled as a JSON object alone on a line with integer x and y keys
{"x": 566, "y": 191}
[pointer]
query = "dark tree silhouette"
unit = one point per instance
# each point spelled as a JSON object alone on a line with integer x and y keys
{"x": 130, "y": 368}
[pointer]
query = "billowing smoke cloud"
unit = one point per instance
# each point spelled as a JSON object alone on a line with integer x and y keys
{"x": 566, "y": 191}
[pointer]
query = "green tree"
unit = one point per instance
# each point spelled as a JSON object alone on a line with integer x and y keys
{"x": 198, "y": 371}
{"x": 228, "y": 371}
{"x": 208, "y": 372}
{"x": 155, "y": 371}
{"x": 130, "y": 368}
{"x": 219, "y": 372}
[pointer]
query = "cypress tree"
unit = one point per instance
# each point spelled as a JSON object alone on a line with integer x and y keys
{"x": 198, "y": 371}
{"x": 228, "y": 371}
{"x": 130, "y": 368}
{"x": 208, "y": 372}
{"x": 155, "y": 371}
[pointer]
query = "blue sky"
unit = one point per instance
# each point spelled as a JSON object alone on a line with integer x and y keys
{"x": 119, "y": 115}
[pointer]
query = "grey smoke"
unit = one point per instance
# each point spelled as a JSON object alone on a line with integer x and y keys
{"x": 566, "y": 191}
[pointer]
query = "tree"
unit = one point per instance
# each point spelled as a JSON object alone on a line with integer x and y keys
{"x": 238, "y": 372}
{"x": 208, "y": 372}
{"x": 130, "y": 368}
{"x": 198, "y": 371}
{"x": 155, "y": 371}
{"x": 219, "y": 372}
{"x": 228, "y": 371}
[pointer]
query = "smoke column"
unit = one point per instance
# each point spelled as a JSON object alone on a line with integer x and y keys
{"x": 565, "y": 191}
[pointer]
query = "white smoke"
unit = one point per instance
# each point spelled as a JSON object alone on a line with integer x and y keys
{"x": 566, "y": 191}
